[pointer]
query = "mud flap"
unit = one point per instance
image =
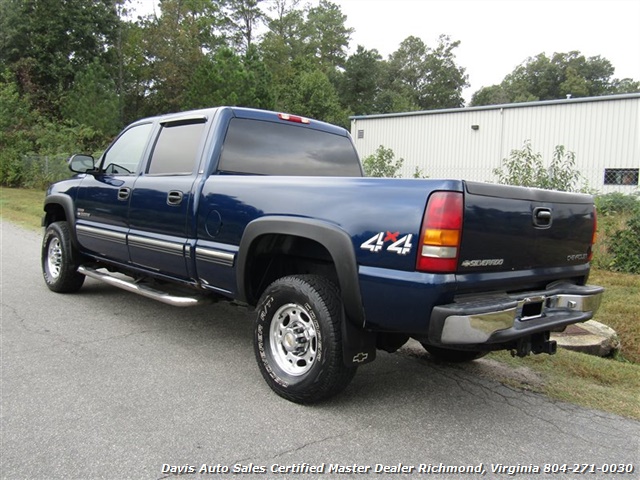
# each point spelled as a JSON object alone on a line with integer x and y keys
{"x": 358, "y": 345}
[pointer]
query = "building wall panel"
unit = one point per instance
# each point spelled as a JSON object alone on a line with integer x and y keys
{"x": 603, "y": 133}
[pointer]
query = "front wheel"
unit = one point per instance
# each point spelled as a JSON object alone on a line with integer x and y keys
{"x": 453, "y": 356}
{"x": 59, "y": 266}
{"x": 298, "y": 339}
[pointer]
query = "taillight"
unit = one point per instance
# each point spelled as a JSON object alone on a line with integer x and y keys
{"x": 594, "y": 233}
{"x": 293, "y": 118}
{"x": 441, "y": 233}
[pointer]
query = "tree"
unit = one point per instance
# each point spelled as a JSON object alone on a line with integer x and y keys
{"x": 93, "y": 101}
{"x": 225, "y": 78}
{"x": 625, "y": 85}
{"x": 428, "y": 78}
{"x": 493, "y": 95}
{"x": 389, "y": 100}
{"x": 312, "y": 94}
{"x": 302, "y": 51}
{"x": 318, "y": 34}
{"x": 383, "y": 164}
{"x": 328, "y": 35}
{"x": 45, "y": 44}
{"x": 135, "y": 79}
{"x": 284, "y": 43}
{"x": 406, "y": 72}
{"x": 260, "y": 79}
{"x": 359, "y": 84}
{"x": 25, "y": 132}
{"x": 445, "y": 79}
{"x": 244, "y": 18}
{"x": 562, "y": 75}
{"x": 17, "y": 118}
{"x": 175, "y": 44}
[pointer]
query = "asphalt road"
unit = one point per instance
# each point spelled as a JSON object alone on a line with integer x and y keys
{"x": 107, "y": 384}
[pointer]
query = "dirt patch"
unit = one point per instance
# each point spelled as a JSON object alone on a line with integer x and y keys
{"x": 518, "y": 377}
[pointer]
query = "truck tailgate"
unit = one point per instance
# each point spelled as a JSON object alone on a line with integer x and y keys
{"x": 514, "y": 228}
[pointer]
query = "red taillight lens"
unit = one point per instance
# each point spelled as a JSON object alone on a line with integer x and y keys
{"x": 441, "y": 233}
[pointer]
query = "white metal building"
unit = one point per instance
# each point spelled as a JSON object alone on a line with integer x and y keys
{"x": 468, "y": 143}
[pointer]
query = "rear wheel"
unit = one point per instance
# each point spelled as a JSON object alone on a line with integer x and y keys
{"x": 453, "y": 356}
{"x": 59, "y": 258}
{"x": 298, "y": 339}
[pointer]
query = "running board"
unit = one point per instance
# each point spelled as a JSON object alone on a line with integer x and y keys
{"x": 145, "y": 290}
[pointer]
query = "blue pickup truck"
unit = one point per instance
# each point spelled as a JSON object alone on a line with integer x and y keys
{"x": 272, "y": 210}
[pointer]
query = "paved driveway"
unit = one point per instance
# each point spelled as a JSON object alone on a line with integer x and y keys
{"x": 107, "y": 384}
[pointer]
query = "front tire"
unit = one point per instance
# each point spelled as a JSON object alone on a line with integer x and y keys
{"x": 298, "y": 339}
{"x": 59, "y": 260}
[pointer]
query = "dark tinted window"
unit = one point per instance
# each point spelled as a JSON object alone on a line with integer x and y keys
{"x": 177, "y": 148}
{"x": 268, "y": 148}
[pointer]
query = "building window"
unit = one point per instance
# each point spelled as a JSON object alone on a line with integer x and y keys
{"x": 621, "y": 176}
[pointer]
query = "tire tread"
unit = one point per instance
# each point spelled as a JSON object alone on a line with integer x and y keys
{"x": 335, "y": 376}
{"x": 69, "y": 280}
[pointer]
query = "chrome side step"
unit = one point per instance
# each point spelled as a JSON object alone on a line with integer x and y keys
{"x": 145, "y": 290}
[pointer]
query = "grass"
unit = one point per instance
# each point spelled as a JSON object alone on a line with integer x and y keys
{"x": 609, "y": 384}
{"x": 605, "y": 384}
{"x": 620, "y": 309}
{"x": 22, "y": 206}
{"x": 592, "y": 382}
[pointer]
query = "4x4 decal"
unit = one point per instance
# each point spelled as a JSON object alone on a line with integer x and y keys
{"x": 399, "y": 246}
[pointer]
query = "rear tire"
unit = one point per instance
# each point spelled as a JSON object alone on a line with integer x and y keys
{"x": 59, "y": 260}
{"x": 453, "y": 356}
{"x": 298, "y": 339}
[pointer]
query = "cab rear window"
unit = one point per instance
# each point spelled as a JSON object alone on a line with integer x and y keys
{"x": 270, "y": 148}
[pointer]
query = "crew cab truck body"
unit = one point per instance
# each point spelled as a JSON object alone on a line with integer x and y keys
{"x": 272, "y": 210}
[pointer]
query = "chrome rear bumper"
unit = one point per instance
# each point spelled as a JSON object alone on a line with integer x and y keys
{"x": 473, "y": 320}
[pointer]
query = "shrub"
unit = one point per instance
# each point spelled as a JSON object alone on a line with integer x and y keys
{"x": 382, "y": 164}
{"x": 614, "y": 246}
{"x": 625, "y": 246}
{"x": 617, "y": 203}
{"x": 525, "y": 168}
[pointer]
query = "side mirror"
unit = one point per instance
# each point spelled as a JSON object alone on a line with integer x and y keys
{"x": 81, "y": 163}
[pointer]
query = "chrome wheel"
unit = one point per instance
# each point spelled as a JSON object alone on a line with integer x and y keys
{"x": 298, "y": 339}
{"x": 59, "y": 259}
{"x": 54, "y": 258}
{"x": 293, "y": 339}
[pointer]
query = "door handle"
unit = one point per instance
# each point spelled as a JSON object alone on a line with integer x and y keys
{"x": 174, "y": 197}
{"x": 123, "y": 193}
{"x": 542, "y": 217}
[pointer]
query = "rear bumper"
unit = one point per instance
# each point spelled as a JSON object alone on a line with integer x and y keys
{"x": 489, "y": 320}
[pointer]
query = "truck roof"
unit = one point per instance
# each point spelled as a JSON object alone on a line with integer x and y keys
{"x": 249, "y": 113}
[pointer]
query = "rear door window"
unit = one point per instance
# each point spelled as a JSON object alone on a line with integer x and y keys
{"x": 177, "y": 148}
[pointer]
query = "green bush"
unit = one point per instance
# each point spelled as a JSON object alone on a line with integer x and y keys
{"x": 12, "y": 170}
{"x": 625, "y": 246}
{"x": 614, "y": 249}
{"x": 617, "y": 203}
{"x": 382, "y": 164}
{"x": 34, "y": 147}
{"x": 526, "y": 168}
